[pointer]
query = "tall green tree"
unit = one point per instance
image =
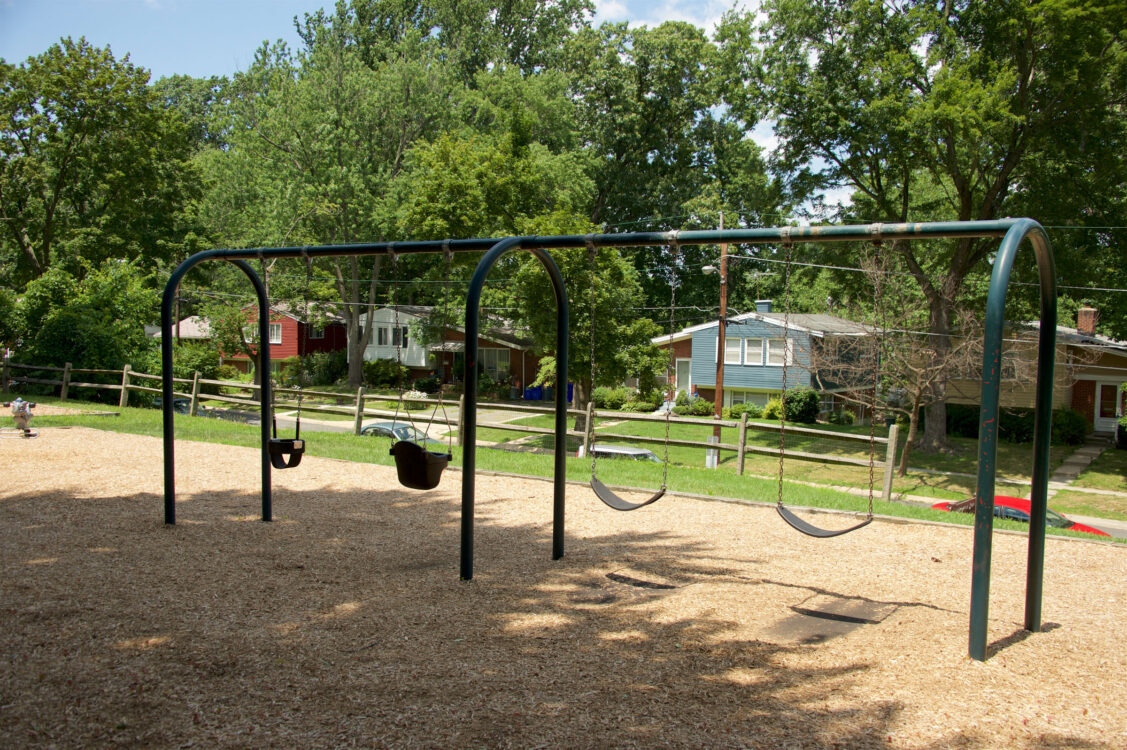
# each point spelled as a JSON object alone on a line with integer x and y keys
{"x": 970, "y": 97}
{"x": 92, "y": 166}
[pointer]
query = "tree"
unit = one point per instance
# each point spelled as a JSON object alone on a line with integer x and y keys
{"x": 195, "y": 100}
{"x": 970, "y": 98}
{"x": 97, "y": 319}
{"x": 91, "y": 166}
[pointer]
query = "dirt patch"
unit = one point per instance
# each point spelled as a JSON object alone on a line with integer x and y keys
{"x": 344, "y": 622}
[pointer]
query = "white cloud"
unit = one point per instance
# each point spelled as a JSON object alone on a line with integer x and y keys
{"x": 610, "y": 10}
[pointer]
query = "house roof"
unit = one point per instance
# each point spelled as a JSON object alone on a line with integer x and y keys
{"x": 1066, "y": 335}
{"x": 193, "y": 327}
{"x": 817, "y": 324}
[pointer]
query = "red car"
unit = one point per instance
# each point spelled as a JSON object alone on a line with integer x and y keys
{"x": 1017, "y": 509}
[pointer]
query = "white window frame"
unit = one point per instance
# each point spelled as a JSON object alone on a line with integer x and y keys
{"x": 381, "y": 336}
{"x": 490, "y": 358}
{"x": 788, "y": 352}
{"x": 275, "y": 333}
{"x": 757, "y": 360}
{"x": 728, "y": 353}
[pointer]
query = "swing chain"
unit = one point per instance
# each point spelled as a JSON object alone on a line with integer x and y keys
{"x": 789, "y": 245}
{"x": 591, "y": 256}
{"x": 675, "y": 251}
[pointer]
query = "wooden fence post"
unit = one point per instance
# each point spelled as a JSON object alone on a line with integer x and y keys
{"x": 889, "y": 460}
{"x": 195, "y": 408}
{"x": 461, "y": 419}
{"x": 66, "y": 382}
{"x": 357, "y": 424}
{"x": 124, "y": 401}
{"x": 589, "y": 429}
{"x": 743, "y": 444}
{"x": 5, "y": 375}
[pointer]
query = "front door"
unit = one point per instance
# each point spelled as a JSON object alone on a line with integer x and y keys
{"x": 1105, "y": 407}
{"x": 684, "y": 368}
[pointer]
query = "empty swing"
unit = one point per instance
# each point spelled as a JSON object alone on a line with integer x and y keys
{"x": 793, "y": 520}
{"x": 604, "y": 493}
{"x": 286, "y": 453}
{"x": 417, "y": 467}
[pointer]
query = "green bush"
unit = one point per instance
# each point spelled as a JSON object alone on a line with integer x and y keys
{"x": 962, "y": 420}
{"x": 1069, "y": 427}
{"x": 426, "y": 385}
{"x": 641, "y": 407}
{"x": 612, "y": 398}
{"x": 773, "y": 409}
{"x": 803, "y": 405}
{"x": 702, "y": 407}
{"x": 384, "y": 372}
{"x": 842, "y": 417}
{"x": 682, "y": 399}
{"x": 683, "y": 410}
{"x": 326, "y": 368}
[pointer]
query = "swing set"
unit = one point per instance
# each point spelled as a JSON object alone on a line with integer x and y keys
{"x": 1012, "y": 233}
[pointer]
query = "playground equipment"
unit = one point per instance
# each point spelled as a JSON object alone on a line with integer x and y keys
{"x": 604, "y": 493}
{"x": 21, "y": 415}
{"x": 795, "y": 521}
{"x": 415, "y": 466}
{"x": 286, "y": 453}
{"x": 1012, "y": 233}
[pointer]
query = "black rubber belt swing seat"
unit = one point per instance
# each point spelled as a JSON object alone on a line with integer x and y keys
{"x": 784, "y": 512}
{"x": 604, "y": 493}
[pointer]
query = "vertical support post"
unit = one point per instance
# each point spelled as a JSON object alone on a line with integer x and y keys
{"x": 124, "y": 400}
{"x": 194, "y": 410}
{"x": 66, "y": 382}
{"x": 988, "y": 431}
{"x": 890, "y": 460}
{"x": 589, "y": 429}
{"x": 742, "y": 455}
{"x": 469, "y": 448}
{"x": 358, "y": 422}
{"x": 5, "y": 375}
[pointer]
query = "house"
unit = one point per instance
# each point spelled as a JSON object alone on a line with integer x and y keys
{"x": 755, "y": 348}
{"x": 192, "y": 328}
{"x": 502, "y": 352}
{"x": 1089, "y": 372}
{"x": 293, "y": 333}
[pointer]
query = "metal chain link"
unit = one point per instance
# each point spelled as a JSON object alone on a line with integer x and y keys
{"x": 786, "y": 328}
{"x": 676, "y": 248}
{"x": 396, "y": 337}
{"x": 591, "y": 252}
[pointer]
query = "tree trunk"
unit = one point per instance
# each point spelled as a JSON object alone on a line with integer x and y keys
{"x": 913, "y": 430}
{"x": 935, "y": 426}
{"x": 580, "y": 398}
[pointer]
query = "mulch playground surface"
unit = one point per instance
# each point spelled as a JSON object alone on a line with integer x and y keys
{"x": 343, "y": 623}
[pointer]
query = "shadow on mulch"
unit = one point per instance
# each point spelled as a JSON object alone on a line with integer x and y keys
{"x": 344, "y": 621}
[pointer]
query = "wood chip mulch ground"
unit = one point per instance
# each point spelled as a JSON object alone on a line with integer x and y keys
{"x": 343, "y": 623}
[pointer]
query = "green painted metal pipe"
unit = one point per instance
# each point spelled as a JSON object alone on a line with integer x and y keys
{"x": 988, "y": 430}
{"x": 167, "y": 414}
{"x": 469, "y": 447}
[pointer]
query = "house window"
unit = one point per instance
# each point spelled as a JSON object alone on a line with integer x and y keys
{"x": 275, "y": 333}
{"x": 316, "y": 332}
{"x": 754, "y": 353}
{"x": 733, "y": 351}
{"x": 495, "y": 362}
{"x": 780, "y": 352}
{"x": 381, "y": 336}
{"x": 399, "y": 335}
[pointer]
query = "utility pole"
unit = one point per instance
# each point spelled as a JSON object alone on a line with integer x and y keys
{"x": 721, "y": 332}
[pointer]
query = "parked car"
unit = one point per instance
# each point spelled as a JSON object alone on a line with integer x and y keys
{"x": 1017, "y": 509}
{"x": 401, "y": 431}
{"x": 179, "y": 405}
{"x": 627, "y": 452}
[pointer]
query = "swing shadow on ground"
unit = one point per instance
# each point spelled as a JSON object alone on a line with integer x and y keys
{"x": 343, "y": 621}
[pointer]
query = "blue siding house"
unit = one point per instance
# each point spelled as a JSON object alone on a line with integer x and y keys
{"x": 756, "y": 346}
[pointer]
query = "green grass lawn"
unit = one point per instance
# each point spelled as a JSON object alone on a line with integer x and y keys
{"x": 684, "y": 478}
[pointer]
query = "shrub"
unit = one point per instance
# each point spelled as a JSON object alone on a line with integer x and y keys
{"x": 773, "y": 409}
{"x": 702, "y": 407}
{"x": 842, "y": 417}
{"x": 802, "y": 405}
{"x": 1069, "y": 427}
{"x": 962, "y": 420}
{"x": 611, "y": 398}
{"x": 682, "y": 398}
{"x": 426, "y": 385}
{"x": 326, "y": 368}
{"x": 642, "y": 407}
{"x": 384, "y": 372}
{"x": 683, "y": 410}
{"x": 414, "y": 405}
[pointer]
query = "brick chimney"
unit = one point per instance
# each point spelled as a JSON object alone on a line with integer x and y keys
{"x": 1086, "y": 318}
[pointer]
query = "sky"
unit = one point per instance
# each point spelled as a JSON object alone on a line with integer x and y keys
{"x": 219, "y": 37}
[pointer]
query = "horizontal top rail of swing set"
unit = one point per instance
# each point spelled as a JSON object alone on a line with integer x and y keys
{"x": 821, "y": 233}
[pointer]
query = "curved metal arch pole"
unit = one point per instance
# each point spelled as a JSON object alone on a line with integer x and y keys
{"x": 167, "y": 413}
{"x": 469, "y": 435}
{"x": 988, "y": 430}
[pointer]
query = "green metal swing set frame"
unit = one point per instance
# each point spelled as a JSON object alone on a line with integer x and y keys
{"x": 1011, "y": 232}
